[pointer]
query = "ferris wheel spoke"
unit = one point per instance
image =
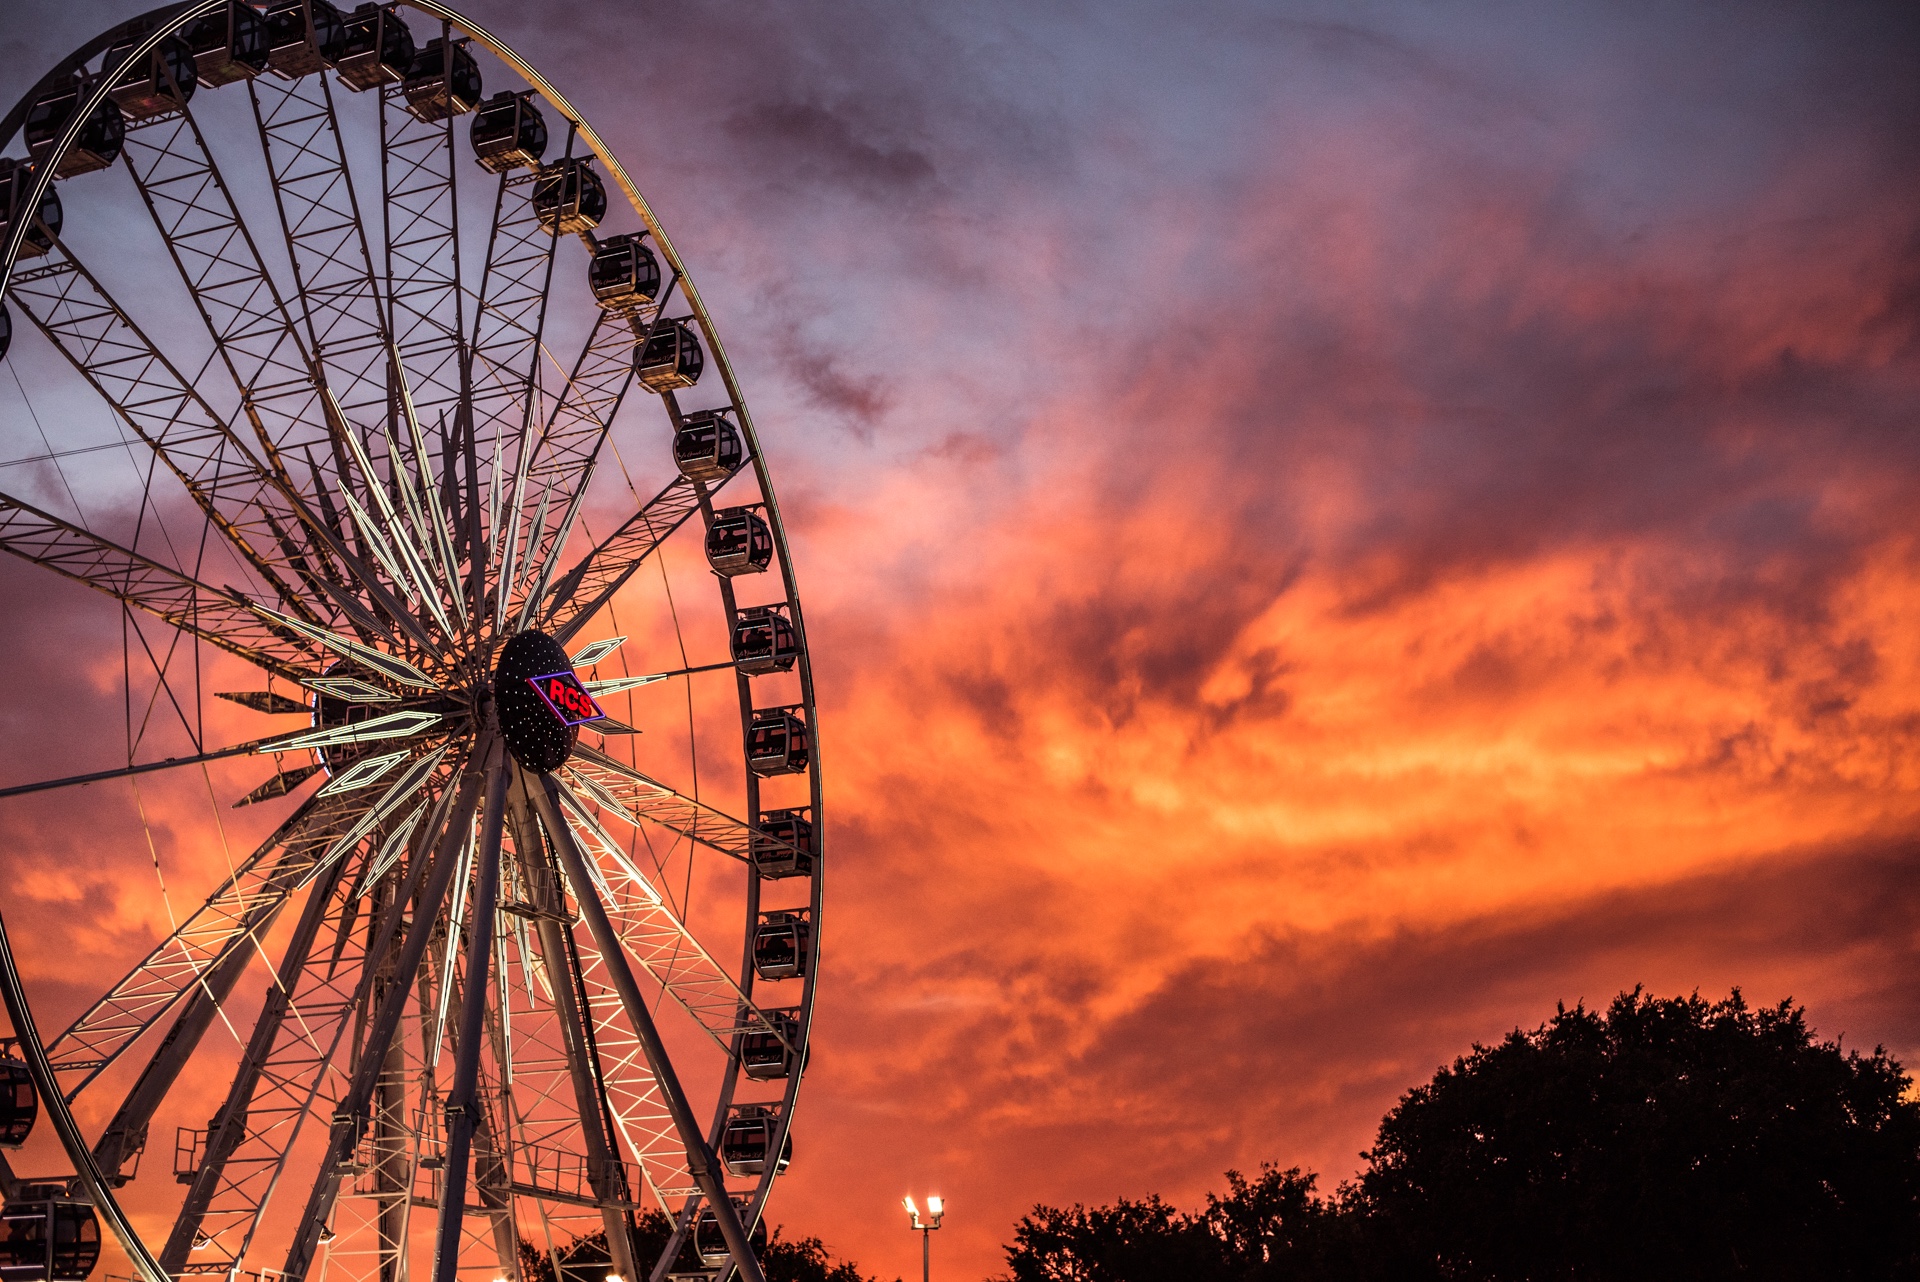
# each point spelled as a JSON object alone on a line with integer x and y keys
{"x": 619, "y": 788}
{"x": 126, "y": 1135}
{"x": 605, "y": 569}
{"x": 510, "y": 316}
{"x": 220, "y": 618}
{"x": 353, "y": 1112}
{"x": 418, "y": 189}
{"x": 507, "y": 327}
{"x": 68, "y": 304}
{"x": 656, "y": 937}
{"x": 702, "y": 1165}
{"x": 633, "y": 1098}
{"x": 340, "y": 300}
{"x": 233, "y": 917}
{"x": 463, "y": 1097}
{"x": 563, "y": 457}
{"x": 212, "y": 247}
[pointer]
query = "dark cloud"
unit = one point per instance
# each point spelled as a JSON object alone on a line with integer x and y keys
{"x": 813, "y": 145}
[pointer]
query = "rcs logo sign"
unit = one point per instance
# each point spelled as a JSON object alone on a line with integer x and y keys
{"x": 567, "y": 697}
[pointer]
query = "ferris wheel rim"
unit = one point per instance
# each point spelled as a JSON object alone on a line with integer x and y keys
{"x": 17, "y": 1001}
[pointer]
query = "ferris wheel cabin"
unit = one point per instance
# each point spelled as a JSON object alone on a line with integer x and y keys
{"x": 378, "y": 49}
{"x": 161, "y": 82}
{"x": 781, "y": 944}
{"x": 747, "y": 1142}
{"x": 782, "y": 844}
{"x": 766, "y": 1055}
{"x": 46, "y": 1236}
{"x": 508, "y": 132}
{"x": 708, "y": 1243}
{"x": 777, "y": 741}
{"x": 228, "y": 46}
{"x": 707, "y": 447}
{"x": 568, "y": 197}
{"x": 16, "y": 184}
{"x": 671, "y": 358}
{"x": 443, "y": 82}
{"x": 304, "y": 36}
{"x": 19, "y": 1103}
{"x": 624, "y": 274}
{"x": 739, "y": 542}
{"x": 100, "y": 140}
{"x": 764, "y": 640}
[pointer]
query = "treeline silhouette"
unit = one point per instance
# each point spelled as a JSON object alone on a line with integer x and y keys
{"x": 586, "y": 1258}
{"x": 1659, "y": 1139}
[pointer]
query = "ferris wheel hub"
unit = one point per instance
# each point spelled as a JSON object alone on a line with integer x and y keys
{"x": 540, "y": 702}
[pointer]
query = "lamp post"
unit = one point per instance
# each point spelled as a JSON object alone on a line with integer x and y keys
{"x": 936, "y": 1209}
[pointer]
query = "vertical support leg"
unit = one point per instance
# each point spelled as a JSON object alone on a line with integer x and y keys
{"x": 351, "y": 1117}
{"x": 463, "y": 1101}
{"x": 555, "y": 959}
{"x": 701, "y": 1163}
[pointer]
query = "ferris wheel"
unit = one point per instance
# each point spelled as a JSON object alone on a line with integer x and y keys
{"x": 434, "y": 480}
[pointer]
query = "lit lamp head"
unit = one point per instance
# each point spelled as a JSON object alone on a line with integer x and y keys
{"x": 936, "y": 1208}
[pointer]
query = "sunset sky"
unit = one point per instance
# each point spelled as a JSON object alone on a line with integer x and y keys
{"x": 1325, "y": 530}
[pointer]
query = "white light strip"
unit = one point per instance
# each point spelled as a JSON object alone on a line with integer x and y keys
{"x": 391, "y": 849}
{"x": 395, "y": 725}
{"x": 388, "y": 665}
{"x": 363, "y": 773}
{"x": 539, "y": 588}
{"x": 430, "y": 482}
{"x": 503, "y": 977}
{"x": 602, "y": 794}
{"x": 493, "y": 533}
{"x": 459, "y": 909}
{"x": 513, "y": 497}
{"x": 534, "y": 527}
{"x": 609, "y": 846}
{"x": 426, "y": 519}
{"x": 390, "y": 800}
{"x": 377, "y": 543}
{"x": 596, "y": 652}
{"x": 614, "y": 685}
{"x": 402, "y": 542}
{"x": 350, "y": 690}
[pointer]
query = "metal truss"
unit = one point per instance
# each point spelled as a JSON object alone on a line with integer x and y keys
{"x": 254, "y": 334}
{"x": 620, "y": 788}
{"x": 232, "y": 1165}
{"x": 505, "y": 378}
{"x": 290, "y": 1069}
{"x": 561, "y": 462}
{"x": 144, "y": 389}
{"x": 220, "y": 618}
{"x": 339, "y": 296}
{"x": 233, "y": 917}
{"x": 655, "y": 936}
{"x": 585, "y": 589}
{"x": 422, "y": 238}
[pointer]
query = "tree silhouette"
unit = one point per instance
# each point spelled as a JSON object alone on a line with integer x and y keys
{"x": 1662, "y": 1139}
{"x": 1665, "y": 1138}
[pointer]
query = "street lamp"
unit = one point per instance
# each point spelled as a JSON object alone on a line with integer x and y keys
{"x": 936, "y": 1209}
